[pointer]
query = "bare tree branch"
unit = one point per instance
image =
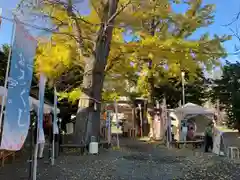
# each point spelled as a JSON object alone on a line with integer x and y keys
{"x": 234, "y": 19}
{"x": 235, "y": 33}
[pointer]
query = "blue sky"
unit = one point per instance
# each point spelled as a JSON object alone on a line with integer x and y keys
{"x": 225, "y": 12}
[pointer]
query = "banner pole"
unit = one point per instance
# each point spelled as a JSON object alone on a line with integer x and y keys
{"x": 54, "y": 119}
{"x": 32, "y": 121}
{"x": 34, "y": 177}
{"x": 40, "y": 133}
{"x": 6, "y": 78}
{"x": 53, "y": 142}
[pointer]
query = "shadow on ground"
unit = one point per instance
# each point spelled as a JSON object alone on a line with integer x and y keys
{"x": 135, "y": 160}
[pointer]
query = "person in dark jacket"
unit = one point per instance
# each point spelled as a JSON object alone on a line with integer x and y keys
{"x": 209, "y": 137}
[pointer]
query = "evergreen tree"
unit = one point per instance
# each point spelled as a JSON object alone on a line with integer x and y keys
{"x": 195, "y": 90}
{"x": 4, "y": 51}
{"x": 227, "y": 90}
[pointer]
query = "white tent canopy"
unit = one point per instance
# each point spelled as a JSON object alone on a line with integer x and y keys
{"x": 34, "y": 103}
{"x": 190, "y": 110}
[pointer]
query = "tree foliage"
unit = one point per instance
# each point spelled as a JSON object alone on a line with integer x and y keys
{"x": 164, "y": 43}
{"x": 163, "y": 39}
{"x": 4, "y": 52}
{"x": 226, "y": 89}
{"x": 95, "y": 43}
{"x": 196, "y": 89}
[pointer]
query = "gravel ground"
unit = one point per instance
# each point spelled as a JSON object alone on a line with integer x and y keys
{"x": 136, "y": 161}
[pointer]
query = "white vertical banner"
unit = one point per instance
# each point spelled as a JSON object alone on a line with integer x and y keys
{"x": 169, "y": 130}
{"x": 141, "y": 119}
{"x": 108, "y": 125}
{"x": 116, "y": 112}
{"x": 163, "y": 122}
{"x": 17, "y": 108}
{"x": 42, "y": 83}
{"x": 164, "y": 113}
{"x": 217, "y": 141}
{"x": 55, "y": 126}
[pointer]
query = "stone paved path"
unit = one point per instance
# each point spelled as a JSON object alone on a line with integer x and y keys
{"x": 134, "y": 161}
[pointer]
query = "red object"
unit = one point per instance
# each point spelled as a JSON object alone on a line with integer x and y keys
{"x": 169, "y": 8}
{"x": 47, "y": 122}
{"x": 191, "y": 133}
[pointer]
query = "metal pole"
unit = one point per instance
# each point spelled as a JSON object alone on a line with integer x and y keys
{"x": 49, "y": 143}
{"x": 53, "y": 143}
{"x": 36, "y": 152}
{"x": 31, "y": 146}
{"x": 60, "y": 134}
{"x": 42, "y": 78}
{"x": 54, "y": 118}
{"x": 183, "y": 88}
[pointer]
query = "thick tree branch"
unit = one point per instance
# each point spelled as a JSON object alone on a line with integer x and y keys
{"x": 111, "y": 62}
{"x": 121, "y": 9}
{"x": 77, "y": 28}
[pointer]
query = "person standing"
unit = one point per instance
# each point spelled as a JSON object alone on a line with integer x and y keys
{"x": 209, "y": 137}
{"x": 184, "y": 131}
{"x": 47, "y": 124}
{"x": 125, "y": 128}
{"x": 190, "y": 134}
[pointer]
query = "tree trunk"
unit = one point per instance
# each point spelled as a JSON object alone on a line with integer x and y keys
{"x": 150, "y": 66}
{"x": 150, "y": 83}
{"x": 89, "y": 108}
{"x": 151, "y": 80}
